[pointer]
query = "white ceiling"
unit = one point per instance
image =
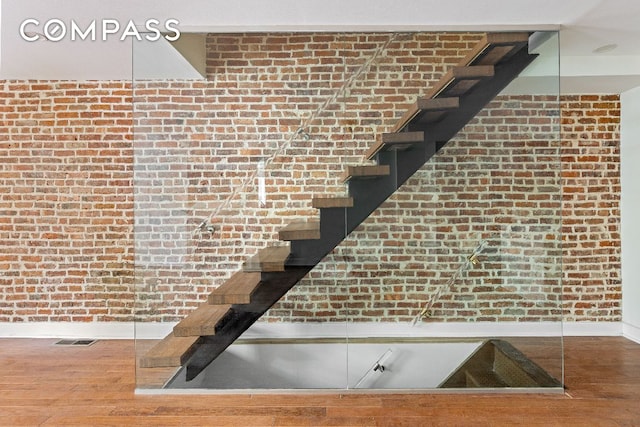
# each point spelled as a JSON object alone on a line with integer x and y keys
{"x": 585, "y": 26}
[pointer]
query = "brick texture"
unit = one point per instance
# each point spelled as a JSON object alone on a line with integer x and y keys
{"x": 497, "y": 181}
{"x": 591, "y": 207}
{"x": 245, "y": 151}
{"x": 66, "y": 200}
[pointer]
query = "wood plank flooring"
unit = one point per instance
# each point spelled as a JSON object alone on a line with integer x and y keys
{"x": 42, "y": 384}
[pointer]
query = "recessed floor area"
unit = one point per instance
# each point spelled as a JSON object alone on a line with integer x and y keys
{"x": 42, "y": 384}
{"x": 375, "y": 364}
{"x": 334, "y": 364}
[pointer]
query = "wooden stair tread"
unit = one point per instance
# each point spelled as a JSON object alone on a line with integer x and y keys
{"x": 170, "y": 351}
{"x": 396, "y": 141}
{"x": 459, "y": 80}
{"x": 332, "y": 202}
{"x": 301, "y": 230}
{"x": 269, "y": 259}
{"x": 365, "y": 171}
{"x": 202, "y": 321}
{"x": 494, "y": 47}
{"x": 427, "y": 106}
{"x": 237, "y": 290}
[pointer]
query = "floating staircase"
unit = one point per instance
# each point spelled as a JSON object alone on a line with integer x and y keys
{"x": 427, "y": 126}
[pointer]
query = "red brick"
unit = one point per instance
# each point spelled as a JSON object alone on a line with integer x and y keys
{"x": 221, "y": 128}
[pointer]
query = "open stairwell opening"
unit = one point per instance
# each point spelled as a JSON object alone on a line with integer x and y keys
{"x": 434, "y": 117}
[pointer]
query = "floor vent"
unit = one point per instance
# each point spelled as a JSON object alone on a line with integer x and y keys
{"x": 82, "y": 343}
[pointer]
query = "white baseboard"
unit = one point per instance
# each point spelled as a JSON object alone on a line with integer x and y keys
{"x": 631, "y": 332}
{"x": 129, "y": 330}
{"x": 592, "y": 329}
{"x": 423, "y": 329}
{"x": 97, "y": 330}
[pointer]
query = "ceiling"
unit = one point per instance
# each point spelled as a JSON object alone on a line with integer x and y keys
{"x": 585, "y": 25}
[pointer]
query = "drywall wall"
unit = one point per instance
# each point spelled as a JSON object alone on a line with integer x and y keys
{"x": 630, "y": 207}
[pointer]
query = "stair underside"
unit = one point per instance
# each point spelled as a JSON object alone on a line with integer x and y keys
{"x": 460, "y": 80}
{"x": 427, "y": 110}
{"x": 495, "y": 364}
{"x": 495, "y": 47}
{"x": 272, "y": 272}
{"x": 395, "y": 141}
{"x": 445, "y": 94}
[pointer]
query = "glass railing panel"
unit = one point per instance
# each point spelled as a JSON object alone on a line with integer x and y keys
{"x": 464, "y": 250}
{"x": 464, "y": 259}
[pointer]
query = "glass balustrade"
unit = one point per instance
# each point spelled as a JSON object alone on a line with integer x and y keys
{"x": 384, "y": 240}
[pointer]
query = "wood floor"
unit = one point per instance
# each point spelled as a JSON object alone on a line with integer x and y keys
{"x": 42, "y": 384}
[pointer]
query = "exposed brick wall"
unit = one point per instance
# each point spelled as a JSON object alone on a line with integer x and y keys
{"x": 67, "y": 236}
{"x": 65, "y": 201}
{"x": 340, "y": 90}
{"x": 497, "y": 181}
{"x": 591, "y": 207}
